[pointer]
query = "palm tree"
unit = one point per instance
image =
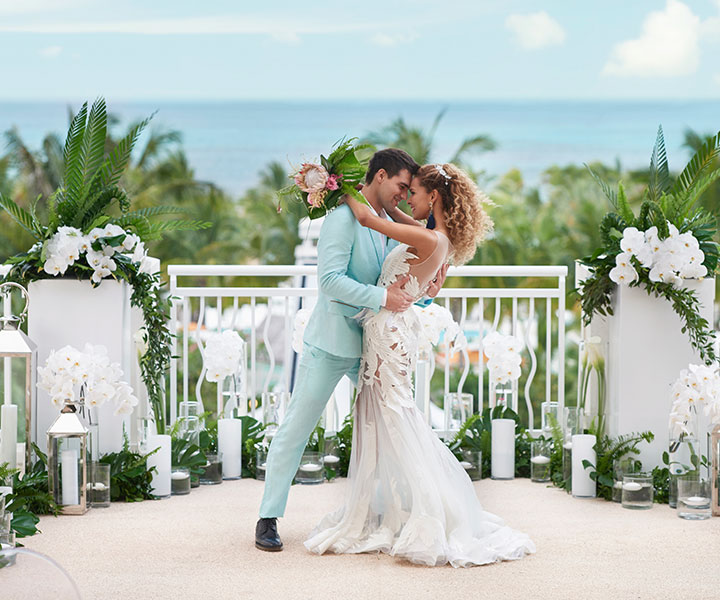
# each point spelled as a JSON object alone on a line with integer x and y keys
{"x": 419, "y": 144}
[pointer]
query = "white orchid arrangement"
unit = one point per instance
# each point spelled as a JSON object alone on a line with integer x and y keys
{"x": 224, "y": 352}
{"x": 100, "y": 247}
{"x": 670, "y": 239}
{"x": 69, "y": 374}
{"x": 668, "y": 260}
{"x": 697, "y": 389}
{"x": 504, "y": 360}
{"x": 437, "y": 322}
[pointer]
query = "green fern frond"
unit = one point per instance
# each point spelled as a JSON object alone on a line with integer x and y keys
{"x": 117, "y": 160}
{"x": 21, "y": 217}
{"x": 611, "y": 228}
{"x": 157, "y": 229}
{"x": 609, "y": 193}
{"x": 659, "y": 173}
{"x": 98, "y": 204}
{"x": 94, "y": 143}
{"x": 623, "y": 207}
{"x": 700, "y": 161}
{"x": 74, "y": 159}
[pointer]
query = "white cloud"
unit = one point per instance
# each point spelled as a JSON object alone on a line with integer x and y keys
{"x": 667, "y": 47}
{"x": 386, "y": 39}
{"x": 535, "y": 30}
{"x": 20, "y": 7}
{"x": 50, "y": 51}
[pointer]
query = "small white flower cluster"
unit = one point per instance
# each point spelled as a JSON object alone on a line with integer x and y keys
{"x": 68, "y": 243}
{"x": 671, "y": 260}
{"x": 697, "y": 388}
{"x": 436, "y": 320}
{"x": 503, "y": 352}
{"x": 223, "y": 353}
{"x": 68, "y": 369}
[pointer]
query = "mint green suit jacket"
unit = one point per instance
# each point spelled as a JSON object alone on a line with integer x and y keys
{"x": 350, "y": 258}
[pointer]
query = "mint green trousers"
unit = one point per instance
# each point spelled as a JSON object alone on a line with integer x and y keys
{"x": 318, "y": 374}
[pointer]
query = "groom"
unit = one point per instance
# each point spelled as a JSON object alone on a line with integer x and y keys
{"x": 350, "y": 258}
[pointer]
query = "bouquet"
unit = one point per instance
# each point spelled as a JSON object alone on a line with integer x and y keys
{"x": 319, "y": 187}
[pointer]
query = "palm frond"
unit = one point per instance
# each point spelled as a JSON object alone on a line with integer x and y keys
{"x": 609, "y": 193}
{"x": 117, "y": 160}
{"x": 479, "y": 143}
{"x": 94, "y": 142}
{"x": 21, "y": 217}
{"x": 157, "y": 229}
{"x": 74, "y": 159}
{"x": 623, "y": 206}
{"x": 98, "y": 204}
{"x": 700, "y": 161}
{"x": 433, "y": 128}
{"x": 659, "y": 181}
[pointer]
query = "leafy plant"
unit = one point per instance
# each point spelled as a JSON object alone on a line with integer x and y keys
{"x": 253, "y": 436}
{"x": 661, "y": 481}
{"x": 608, "y": 450}
{"x": 183, "y": 453}
{"x": 130, "y": 478}
{"x": 30, "y": 496}
{"x": 90, "y": 197}
{"x": 665, "y": 202}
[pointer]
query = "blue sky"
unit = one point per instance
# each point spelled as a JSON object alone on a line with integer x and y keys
{"x": 422, "y": 49}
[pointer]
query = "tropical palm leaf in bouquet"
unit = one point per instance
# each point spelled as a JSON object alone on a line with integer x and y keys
{"x": 320, "y": 186}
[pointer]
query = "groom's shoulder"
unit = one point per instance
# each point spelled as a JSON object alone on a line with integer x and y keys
{"x": 339, "y": 217}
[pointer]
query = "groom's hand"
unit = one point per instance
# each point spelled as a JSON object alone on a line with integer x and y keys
{"x": 398, "y": 299}
{"x": 437, "y": 283}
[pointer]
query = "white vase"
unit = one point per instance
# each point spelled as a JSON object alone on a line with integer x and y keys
{"x": 583, "y": 485}
{"x": 647, "y": 350}
{"x": 161, "y": 460}
{"x": 66, "y": 312}
{"x": 502, "y": 456}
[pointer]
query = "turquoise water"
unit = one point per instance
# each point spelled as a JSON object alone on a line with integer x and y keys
{"x": 230, "y": 142}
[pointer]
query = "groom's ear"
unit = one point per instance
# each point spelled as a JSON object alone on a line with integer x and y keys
{"x": 381, "y": 175}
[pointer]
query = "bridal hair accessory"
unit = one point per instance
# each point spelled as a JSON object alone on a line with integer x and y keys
{"x": 440, "y": 169}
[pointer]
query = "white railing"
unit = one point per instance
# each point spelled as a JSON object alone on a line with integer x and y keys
{"x": 265, "y": 315}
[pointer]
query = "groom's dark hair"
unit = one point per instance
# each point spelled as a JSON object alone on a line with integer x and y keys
{"x": 393, "y": 160}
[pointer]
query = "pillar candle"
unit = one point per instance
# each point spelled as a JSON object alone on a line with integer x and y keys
{"x": 502, "y": 458}
{"x": 69, "y": 478}
{"x": 161, "y": 460}
{"x": 230, "y": 447}
{"x": 20, "y": 458}
{"x": 8, "y": 431}
{"x": 582, "y": 449}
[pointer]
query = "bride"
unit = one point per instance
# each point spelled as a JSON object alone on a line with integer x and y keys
{"x": 408, "y": 495}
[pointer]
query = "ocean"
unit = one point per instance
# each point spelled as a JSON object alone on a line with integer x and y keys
{"x": 229, "y": 143}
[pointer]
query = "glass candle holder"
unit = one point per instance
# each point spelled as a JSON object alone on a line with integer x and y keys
{"x": 99, "y": 485}
{"x": 458, "y": 408}
{"x": 540, "y": 460}
{"x": 180, "y": 481}
{"x": 637, "y": 491}
{"x": 212, "y": 473}
{"x": 311, "y": 469}
{"x": 622, "y": 467}
{"x": 260, "y": 464}
{"x": 693, "y": 502}
{"x": 471, "y": 461}
{"x": 330, "y": 458}
{"x": 550, "y": 416}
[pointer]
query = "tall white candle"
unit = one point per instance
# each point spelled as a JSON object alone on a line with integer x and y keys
{"x": 8, "y": 431}
{"x": 69, "y": 479}
{"x": 230, "y": 447}
{"x": 582, "y": 449}
{"x": 161, "y": 460}
{"x": 20, "y": 458}
{"x": 502, "y": 459}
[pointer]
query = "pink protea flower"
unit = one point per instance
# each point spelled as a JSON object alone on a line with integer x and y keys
{"x": 333, "y": 182}
{"x": 315, "y": 199}
{"x": 311, "y": 178}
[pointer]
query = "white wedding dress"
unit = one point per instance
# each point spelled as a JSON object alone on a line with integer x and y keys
{"x": 407, "y": 494}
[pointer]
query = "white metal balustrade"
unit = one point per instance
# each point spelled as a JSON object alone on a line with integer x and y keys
{"x": 264, "y": 316}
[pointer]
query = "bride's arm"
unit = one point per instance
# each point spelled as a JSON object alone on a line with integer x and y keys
{"x": 423, "y": 240}
{"x": 401, "y": 217}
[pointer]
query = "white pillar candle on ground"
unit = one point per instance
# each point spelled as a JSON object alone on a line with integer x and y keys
{"x": 20, "y": 458}
{"x": 8, "y": 431}
{"x": 161, "y": 460}
{"x": 230, "y": 447}
{"x": 583, "y": 449}
{"x": 69, "y": 477}
{"x": 502, "y": 458}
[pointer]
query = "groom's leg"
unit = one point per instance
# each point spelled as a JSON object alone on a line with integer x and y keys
{"x": 318, "y": 374}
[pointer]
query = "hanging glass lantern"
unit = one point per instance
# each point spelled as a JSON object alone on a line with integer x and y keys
{"x": 14, "y": 344}
{"x": 68, "y": 461}
{"x": 715, "y": 469}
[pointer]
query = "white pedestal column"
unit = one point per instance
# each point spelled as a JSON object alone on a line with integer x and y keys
{"x": 647, "y": 351}
{"x": 69, "y": 312}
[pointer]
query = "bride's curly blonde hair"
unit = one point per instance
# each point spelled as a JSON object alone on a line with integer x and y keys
{"x": 462, "y": 202}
